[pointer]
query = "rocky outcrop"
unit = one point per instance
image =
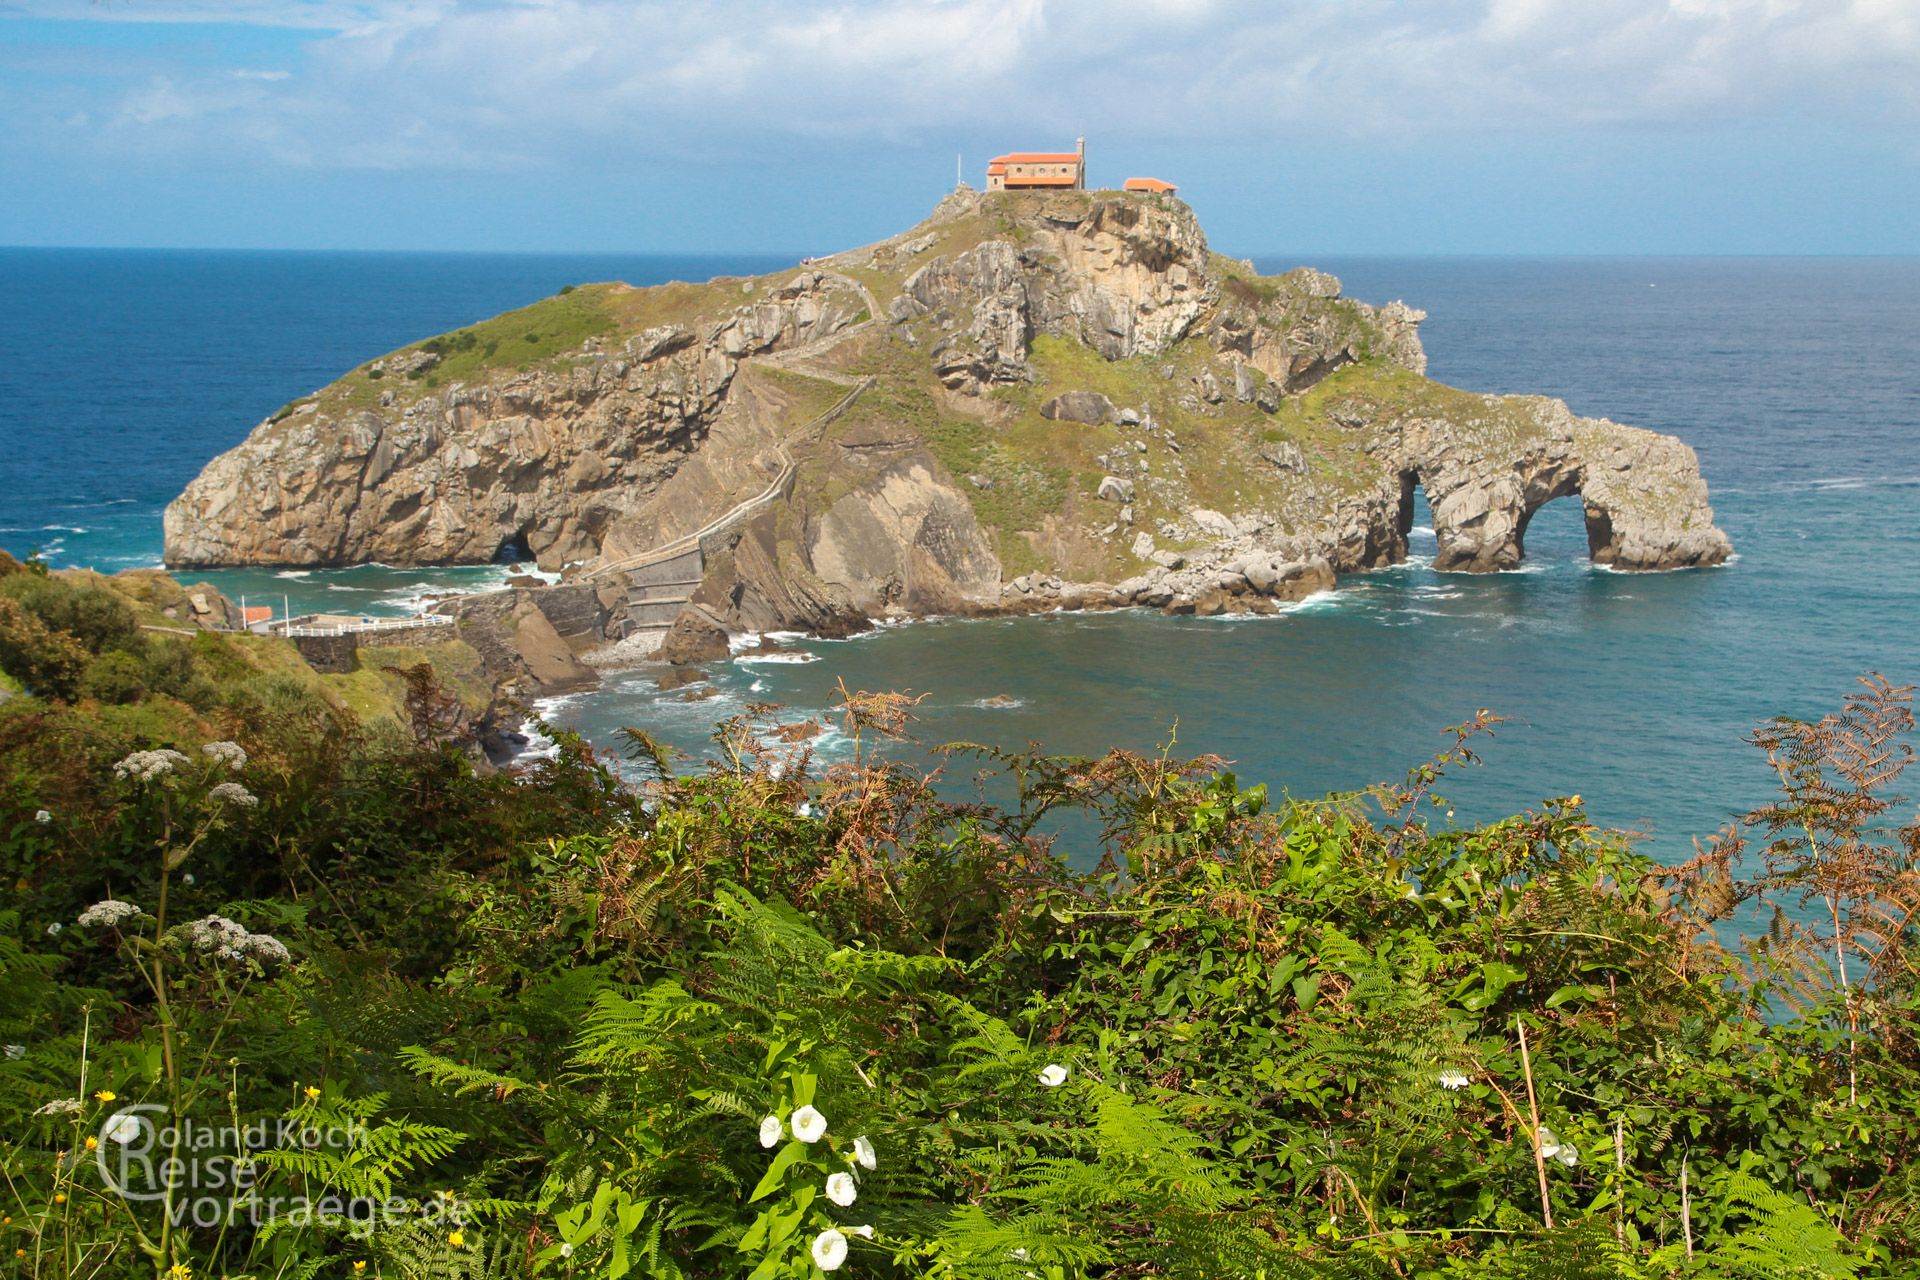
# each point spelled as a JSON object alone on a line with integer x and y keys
{"x": 1032, "y": 400}
{"x": 540, "y": 461}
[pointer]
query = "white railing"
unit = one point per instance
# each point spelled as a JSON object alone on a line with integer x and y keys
{"x": 289, "y": 629}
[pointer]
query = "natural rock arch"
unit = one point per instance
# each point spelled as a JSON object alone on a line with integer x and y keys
{"x": 1641, "y": 494}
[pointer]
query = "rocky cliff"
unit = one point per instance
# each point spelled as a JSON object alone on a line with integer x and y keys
{"x": 1031, "y": 399}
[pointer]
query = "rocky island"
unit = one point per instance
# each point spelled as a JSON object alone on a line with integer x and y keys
{"x": 1031, "y": 400}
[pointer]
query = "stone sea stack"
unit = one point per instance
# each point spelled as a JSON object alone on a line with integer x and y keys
{"x": 1030, "y": 400}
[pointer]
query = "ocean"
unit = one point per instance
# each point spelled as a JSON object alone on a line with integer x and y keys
{"x": 1797, "y": 380}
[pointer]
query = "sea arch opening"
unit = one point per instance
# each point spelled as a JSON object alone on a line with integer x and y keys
{"x": 1474, "y": 531}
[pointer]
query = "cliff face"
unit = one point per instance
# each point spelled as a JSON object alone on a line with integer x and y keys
{"x": 1020, "y": 401}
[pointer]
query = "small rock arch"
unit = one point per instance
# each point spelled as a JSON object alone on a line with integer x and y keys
{"x": 1480, "y": 521}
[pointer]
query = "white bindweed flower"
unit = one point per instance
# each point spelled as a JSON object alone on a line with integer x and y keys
{"x": 841, "y": 1190}
{"x": 1053, "y": 1075}
{"x": 1452, "y": 1080}
{"x": 566, "y": 1250}
{"x": 770, "y": 1131}
{"x": 1551, "y": 1148}
{"x": 107, "y": 914}
{"x": 863, "y": 1153}
{"x": 43, "y": 817}
{"x": 122, "y": 1129}
{"x": 863, "y": 1231}
{"x": 53, "y": 930}
{"x": 829, "y": 1250}
{"x": 809, "y": 1125}
{"x": 230, "y": 754}
{"x": 187, "y": 880}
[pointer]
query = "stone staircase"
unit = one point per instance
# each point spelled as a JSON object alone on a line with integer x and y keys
{"x": 658, "y": 583}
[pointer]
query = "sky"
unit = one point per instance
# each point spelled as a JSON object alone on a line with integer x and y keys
{"x": 1332, "y": 126}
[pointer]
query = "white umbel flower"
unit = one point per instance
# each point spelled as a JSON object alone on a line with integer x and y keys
{"x": 107, "y": 914}
{"x": 829, "y": 1250}
{"x": 145, "y": 766}
{"x": 230, "y": 754}
{"x": 863, "y": 1153}
{"x": 234, "y": 793}
{"x": 770, "y": 1130}
{"x": 1053, "y": 1075}
{"x": 1453, "y": 1080}
{"x": 809, "y": 1125}
{"x": 841, "y": 1190}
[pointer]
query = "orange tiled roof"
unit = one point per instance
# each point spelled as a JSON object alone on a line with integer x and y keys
{"x": 1041, "y": 180}
{"x": 256, "y": 613}
{"x": 1036, "y": 157}
{"x": 1147, "y": 184}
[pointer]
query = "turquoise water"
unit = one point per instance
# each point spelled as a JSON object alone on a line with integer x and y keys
{"x": 1798, "y": 380}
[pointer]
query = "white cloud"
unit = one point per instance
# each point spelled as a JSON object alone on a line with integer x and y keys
{"x": 500, "y": 83}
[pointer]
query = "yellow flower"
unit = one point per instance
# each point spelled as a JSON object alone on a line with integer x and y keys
{"x": 179, "y": 1271}
{"x": 312, "y": 1092}
{"x": 456, "y": 1239}
{"x": 105, "y": 1095}
{"x": 93, "y": 1143}
{"x": 359, "y": 1266}
{"x": 60, "y": 1198}
{"x": 19, "y": 1253}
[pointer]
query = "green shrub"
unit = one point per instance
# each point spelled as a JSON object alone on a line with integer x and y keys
{"x": 94, "y": 616}
{"x": 117, "y": 677}
{"x": 47, "y": 662}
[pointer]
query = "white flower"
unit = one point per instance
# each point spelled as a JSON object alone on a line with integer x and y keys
{"x": 230, "y": 754}
{"x": 770, "y": 1131}
{"x": 145, "y": 766}
{"x": 1053, "y": 1075}
{"x": 809, "y": 1125}
{"x": 829, "y": 1250}
{"x": 187, "y": 879}
{"x": 107, "y": 914}
{"x": 224, "y": 939}
{"x": 122, "y": 1129}
{"x": 1452, "y": 1080}
{"x": 15, "y": 1052}
{"x": 60, "y": 1107}
{"x": 840, "y": 1189}
{"x": 42, "y": 817}
{"x": 53, "y": 930}
{"x": 803, "y": 811}
{"x": 863, "y": 1231}
{"x": 863, "y": 1153}
{"x": 1019, "y": 1255}
{"x": 1551, "y": 1148}
{"x": 234, "y": 793}
{"x": 566, "y": 1250}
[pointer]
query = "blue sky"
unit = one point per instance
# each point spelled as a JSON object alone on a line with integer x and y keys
{"x": 1330, "y": 126}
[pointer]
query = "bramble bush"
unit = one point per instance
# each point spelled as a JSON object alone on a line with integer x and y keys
{"x": 772, "y": 1018}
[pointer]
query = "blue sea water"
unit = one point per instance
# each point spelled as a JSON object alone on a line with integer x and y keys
{"x": 1798, "y": 380}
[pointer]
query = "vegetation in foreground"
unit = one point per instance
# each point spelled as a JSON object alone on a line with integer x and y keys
{"x": 281, "y": 997}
